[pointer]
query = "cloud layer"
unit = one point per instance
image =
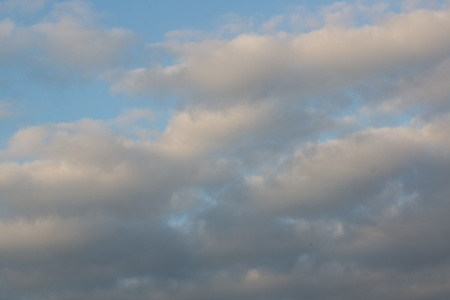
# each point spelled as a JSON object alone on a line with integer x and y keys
{"x": 308, "y": 165}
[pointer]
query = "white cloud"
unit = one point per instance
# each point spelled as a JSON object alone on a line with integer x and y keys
{"x": 326, "y": 59}
{"x": 70, "y": 36}
{"x": 198, "y": 132}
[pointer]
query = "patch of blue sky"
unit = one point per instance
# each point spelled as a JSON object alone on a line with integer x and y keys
{"x": 407, "y": 199}
{"x": 399, "y": 119}
{"x": 166, "y": 16}
{"x": 179, "y": 222}
{"x": 35, "y": 103}
{"x": 183, "y": 220}
{"x": 288, "y": 221}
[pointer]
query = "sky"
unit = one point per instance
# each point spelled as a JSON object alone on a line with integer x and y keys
{"x": 206, "y": 150}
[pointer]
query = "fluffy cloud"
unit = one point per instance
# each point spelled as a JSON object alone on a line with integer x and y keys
{"x": 329, "y": 59}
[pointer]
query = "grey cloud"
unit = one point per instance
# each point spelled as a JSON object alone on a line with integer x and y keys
{"x": 410, "y": 91}
{"x": 177, "y": 236}
{"x": 363, "y": 161}
{"x": 258, "y": 189}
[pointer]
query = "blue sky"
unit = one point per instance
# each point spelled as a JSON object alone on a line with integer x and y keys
{"x": 224, "y": 150}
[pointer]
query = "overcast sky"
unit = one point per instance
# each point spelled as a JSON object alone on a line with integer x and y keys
{"x": 205, "y": 150}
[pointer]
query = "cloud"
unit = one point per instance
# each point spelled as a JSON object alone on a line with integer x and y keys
{"x": 130, "y": 216}
{"x": 255, "y": 66}
{"x": 411, "y": 91}
{"x": 283, "y": 172}
{"x": 69, "y": 37}
{"x": 363, "y": 161}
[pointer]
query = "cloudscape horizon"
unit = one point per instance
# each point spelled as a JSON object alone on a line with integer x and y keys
{"x": 193, "y": 150}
